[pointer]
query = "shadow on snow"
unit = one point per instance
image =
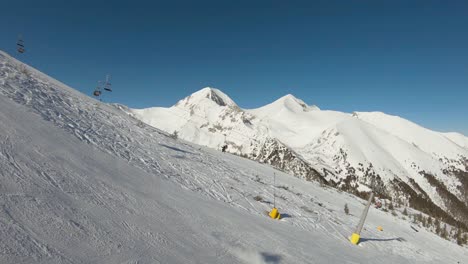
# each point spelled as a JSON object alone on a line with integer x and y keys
{"x": 270, "y": 258}
{"x": 176, "y": 149}
{"x": 400, "y": 239}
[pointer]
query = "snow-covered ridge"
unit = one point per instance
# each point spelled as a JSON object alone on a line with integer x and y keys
{"x": 286, "y": 103}
{"x": 205, "y": 96}
{"x": 353, "y": 151}
{"x": 458, "y": 138}
{"x": 429, "y": 141}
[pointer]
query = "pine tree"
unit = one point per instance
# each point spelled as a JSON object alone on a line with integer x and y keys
{"x": 174, "y": 135}
{"x": 397, "y": 203}
{"x": 420, "y": 217}
{"x": 437, "y": 226}
{"x": 458, "y": 237}
{"x": 429, "y": 221}
{"x": 443, "y": 233}
{"x": 405, "y": 212}
{"x": 452, "y": 233}
{"x": 346, "y": 209}
{"x": 390, "y": 206}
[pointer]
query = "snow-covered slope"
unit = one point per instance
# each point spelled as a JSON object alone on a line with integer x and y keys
{"x": 358, "y": 151}
{"x": 458, "y": 138}
{"x": 83, "y": 182}
{"x": 425, "y": 139}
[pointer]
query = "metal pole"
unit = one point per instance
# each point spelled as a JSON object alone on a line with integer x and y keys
{"x": 364, "y": 215}
{"x": 274, "y": 189}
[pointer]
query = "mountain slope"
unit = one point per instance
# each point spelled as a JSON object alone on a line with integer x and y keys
{"x": 458, "y": 138}
{"x": 355, "y": 152}
{"x": 83, "y": 182}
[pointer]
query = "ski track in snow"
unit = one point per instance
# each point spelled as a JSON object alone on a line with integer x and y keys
{"x": 111, "y": 194}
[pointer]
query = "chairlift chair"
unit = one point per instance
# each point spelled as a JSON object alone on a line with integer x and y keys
{"x": 97, "y": 92}
{"x": 107, "y": 84}
{"x": 20, "y": 45}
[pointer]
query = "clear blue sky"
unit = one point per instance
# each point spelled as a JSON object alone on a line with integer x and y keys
{"x": 408, "y": 58}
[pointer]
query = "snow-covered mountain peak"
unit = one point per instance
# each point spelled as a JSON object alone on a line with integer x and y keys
{"x": 207, "y": 96}
{"x": 293, "y": 104}
{"x": 287, "y": 104}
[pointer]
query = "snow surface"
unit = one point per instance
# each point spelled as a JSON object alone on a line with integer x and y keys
{"x": 425, "y": 139}
{"x": 83, "y": 182}
{"x": 458, "y": 138}
{"x": 393, "y": 147}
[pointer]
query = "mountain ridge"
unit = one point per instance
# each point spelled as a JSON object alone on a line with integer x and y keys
{"x": 340, "y": 148}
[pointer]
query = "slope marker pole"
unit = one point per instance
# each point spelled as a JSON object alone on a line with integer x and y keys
{"x": 357, "y": 234}
{"x": 274, "y": 189}
{"x": 274, "y": 212}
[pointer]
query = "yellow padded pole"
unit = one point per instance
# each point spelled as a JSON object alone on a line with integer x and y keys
{"x": 274, "y": 213}
{"x": 355, "y": 238}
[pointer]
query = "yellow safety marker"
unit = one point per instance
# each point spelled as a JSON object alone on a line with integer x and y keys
{"x": 274, "y": 213}
{"x": 355, "y": 238}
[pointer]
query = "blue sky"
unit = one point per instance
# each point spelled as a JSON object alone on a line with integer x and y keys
{"x": 407, "y": 58}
